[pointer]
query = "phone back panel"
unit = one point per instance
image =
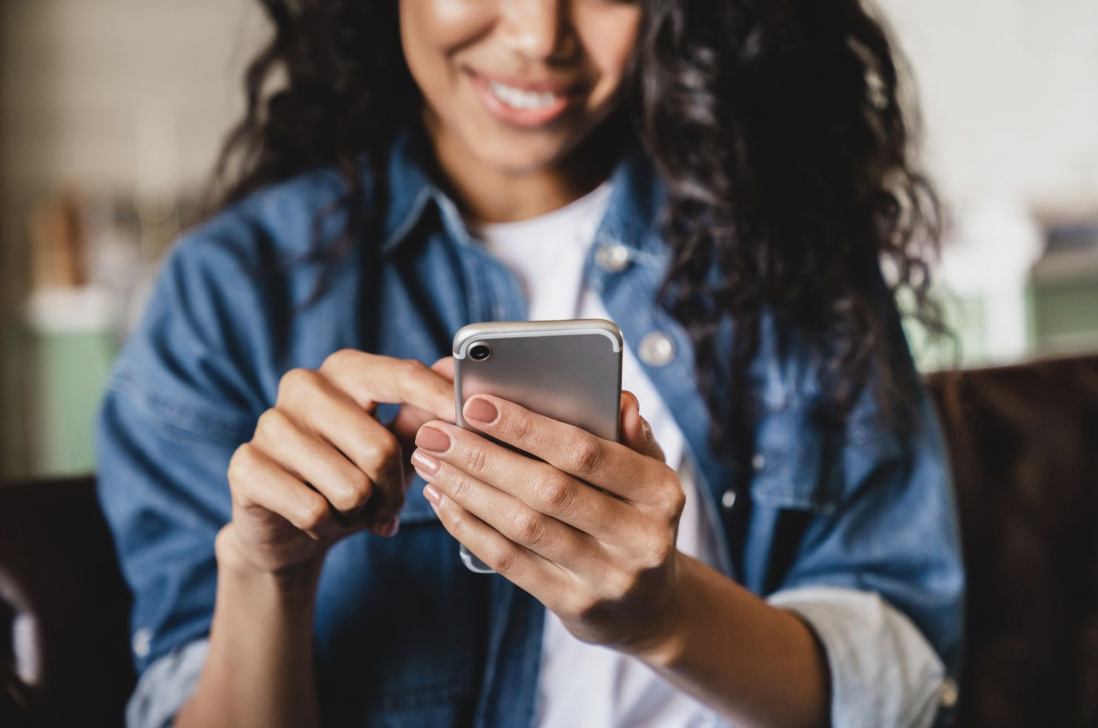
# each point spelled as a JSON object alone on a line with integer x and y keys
{"x": 568, "y": 370}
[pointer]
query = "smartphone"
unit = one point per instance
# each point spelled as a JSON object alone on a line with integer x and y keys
{"x": 569, "y": 370}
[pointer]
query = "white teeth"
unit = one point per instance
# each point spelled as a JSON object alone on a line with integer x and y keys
{"x": 519, "y": 99}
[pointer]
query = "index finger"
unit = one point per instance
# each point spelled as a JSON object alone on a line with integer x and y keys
{"x": 410, "y": 418}
{"x": 614, "y": 467}
{"x": 372, "y": 378}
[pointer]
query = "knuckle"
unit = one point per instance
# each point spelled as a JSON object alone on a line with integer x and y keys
{"x": 409, "y": 370}
{"x": 338, "y": 359}
{"x": 312, "y": 513}
{"x": 521, "y": 428}
{"x": 413, "y": 367}
{"x": 270, "y": 422}
{"x": 554, "y": 493}
{"x": 657, "y": 550}
{"x": 502, "y": 558}
{"x": 360, "y": 488}
{"x": 674, "y": 501}
{"x": 380, "y": 450}
{"x": 586, "y": 456}
{"x": 239, "y": 498}
{"x": 621, "y": 584}
{"x": 370, "y": 451}
{"x": 461, "y": 488}
{"x": 407, "y": 373}
{"x": 457, "y": 525}
{"x": 476, "y": 460}
{"x": 387, "y": 448}
{"x": 528, "y": 527}
{"x": 242, "y": 464}
{"x": 344, "y": 501}
{"x": 295, "y": 380}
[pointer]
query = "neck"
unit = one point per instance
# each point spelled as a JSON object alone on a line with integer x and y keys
{"x": 490, "y": 194}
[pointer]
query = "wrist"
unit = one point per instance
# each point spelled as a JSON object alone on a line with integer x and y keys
{"x": 664, "y": 643}
{"x": 296, "y": 582}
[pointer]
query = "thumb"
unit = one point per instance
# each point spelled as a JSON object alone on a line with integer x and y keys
{"x": 636, "y": 433}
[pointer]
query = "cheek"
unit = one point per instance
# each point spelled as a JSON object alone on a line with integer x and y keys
{"x": 448, "y": 23}
{"x": 431, "y": 32}
{"x": 609, "y": 35}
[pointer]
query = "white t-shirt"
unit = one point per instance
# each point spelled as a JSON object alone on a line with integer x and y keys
{"x": 580, "y": 684}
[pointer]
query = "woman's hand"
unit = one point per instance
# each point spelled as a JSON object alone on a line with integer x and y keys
{"x": 321, "y": 466}
{"x": 602, "y": 558}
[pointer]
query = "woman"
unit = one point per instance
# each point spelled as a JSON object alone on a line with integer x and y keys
{"x": 774, "y": 541}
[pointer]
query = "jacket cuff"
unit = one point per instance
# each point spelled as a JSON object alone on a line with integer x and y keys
{"x": 166, "y": 685}
{"x": 884, "y": 673}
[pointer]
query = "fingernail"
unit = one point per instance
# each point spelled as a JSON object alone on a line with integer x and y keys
{"x": 432, "y": 494}
{"x": 425, "y": 461}
{"x": 390, "y": 527}
{"x": 636, "y": 402}
{"x": 481, "y": 410}
{"x": 430, "y": 438}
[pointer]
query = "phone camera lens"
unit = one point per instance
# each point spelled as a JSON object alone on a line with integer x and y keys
{"x": 479, "y": 352}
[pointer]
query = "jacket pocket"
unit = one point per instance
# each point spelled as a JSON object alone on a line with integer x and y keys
{"x": 793, "y": 464}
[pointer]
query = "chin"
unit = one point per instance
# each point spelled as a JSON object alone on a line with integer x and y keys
{"x": 519, "y": 157}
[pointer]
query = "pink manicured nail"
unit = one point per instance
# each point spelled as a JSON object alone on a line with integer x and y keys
{"x": 425, "y": 461}
{"x": 390, "y": 528}
{"x": 431, "y": 438}
{"x": 432, "y": 494}
{"x": 481, "y": 410}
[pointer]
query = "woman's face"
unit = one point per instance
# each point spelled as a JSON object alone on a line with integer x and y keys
{"x": 518, "y": 83}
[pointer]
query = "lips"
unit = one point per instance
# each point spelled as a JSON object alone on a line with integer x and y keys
{"x": 524, "y": 103}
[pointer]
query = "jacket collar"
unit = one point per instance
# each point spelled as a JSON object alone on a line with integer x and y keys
{"x": 409, "y": 188}
{"x": 634, "y": 212}
{"x": 632, "y": 216}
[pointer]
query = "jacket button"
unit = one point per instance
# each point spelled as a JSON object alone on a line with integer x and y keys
{"x": 728, "y": 499}
{"x": 612, "y": 258}
{"x": 758, "y": 462}
{"x": 142, "y": 642}
{"x": 656, "y": 349}
{"x": 948, "y": 693}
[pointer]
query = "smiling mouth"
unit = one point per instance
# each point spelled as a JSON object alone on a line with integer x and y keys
{"x": 517, "y": 98}
{"x": 517, "y": 102}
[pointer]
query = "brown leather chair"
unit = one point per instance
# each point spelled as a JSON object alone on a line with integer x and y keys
{"x": 1024, "y": 446}
{"x": 64, "y": 608}
{"x": 1023, "y": 442}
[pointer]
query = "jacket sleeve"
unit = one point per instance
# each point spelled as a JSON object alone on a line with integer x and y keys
{"x": 179, "y": 402}
{"x": 877, "y": 572}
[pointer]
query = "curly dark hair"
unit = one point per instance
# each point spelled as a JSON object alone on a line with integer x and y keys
{"x": 778, "y": 127}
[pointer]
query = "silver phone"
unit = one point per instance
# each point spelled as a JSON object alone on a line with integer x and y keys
{"x": 569, "y": 370}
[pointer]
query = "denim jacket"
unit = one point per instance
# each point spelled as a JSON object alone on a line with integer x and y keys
{"x": 853, "y": 528}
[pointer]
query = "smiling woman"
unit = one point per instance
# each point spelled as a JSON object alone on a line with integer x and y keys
{"x": 517, "y": 89}
{"x": 773, "y": 543}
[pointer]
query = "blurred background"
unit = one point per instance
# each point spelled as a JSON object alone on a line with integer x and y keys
{"x": 112, "y": 113}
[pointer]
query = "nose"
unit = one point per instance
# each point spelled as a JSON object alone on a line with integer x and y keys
{"x": 538, "y": 29}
